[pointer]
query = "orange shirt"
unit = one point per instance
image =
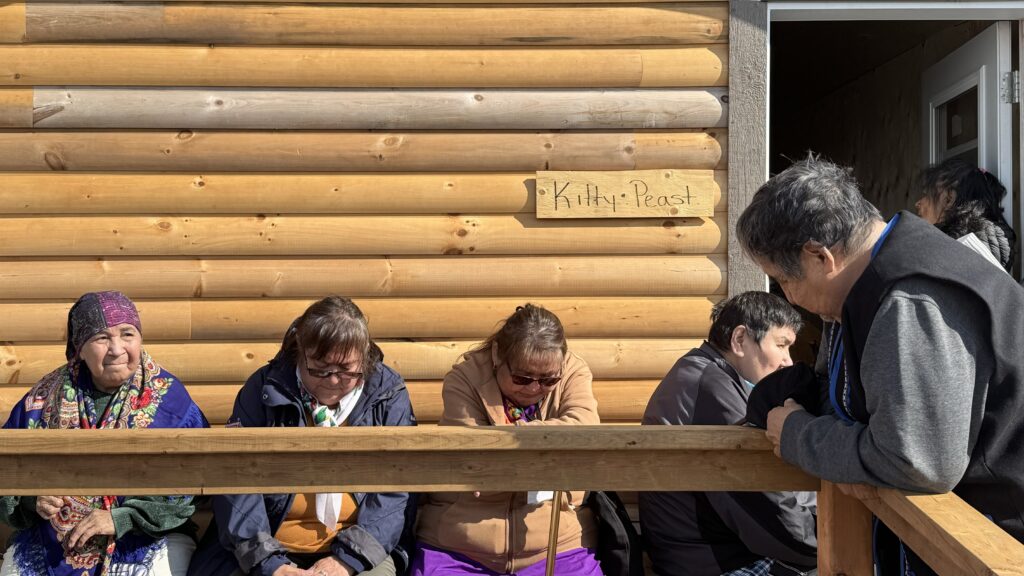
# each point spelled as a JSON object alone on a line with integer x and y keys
{"x": 301, "y": 532}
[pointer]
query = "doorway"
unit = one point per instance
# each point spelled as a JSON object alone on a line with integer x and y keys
{"x": 855, "y": 92}
{"x": 883, "y": 98}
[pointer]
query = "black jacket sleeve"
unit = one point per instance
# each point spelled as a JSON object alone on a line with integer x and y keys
{"x": 778, "y": 525}
{"x": 242, "y": 522}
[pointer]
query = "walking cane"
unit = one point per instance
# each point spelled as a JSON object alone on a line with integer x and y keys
{"x": 556, "y": 508}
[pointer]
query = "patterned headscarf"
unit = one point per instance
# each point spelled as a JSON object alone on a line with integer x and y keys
{"x": 94, "y": 312}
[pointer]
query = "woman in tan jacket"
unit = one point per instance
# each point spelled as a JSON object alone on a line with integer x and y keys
{"x": 523, "y": 375}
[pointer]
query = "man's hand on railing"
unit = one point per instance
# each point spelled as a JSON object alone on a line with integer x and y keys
{"x": 777, "y": 419}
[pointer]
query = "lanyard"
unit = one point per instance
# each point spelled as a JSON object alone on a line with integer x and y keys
{"x": 836, "y": 353}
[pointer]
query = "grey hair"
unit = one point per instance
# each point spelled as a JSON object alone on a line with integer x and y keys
{"x": 813, "y": 200}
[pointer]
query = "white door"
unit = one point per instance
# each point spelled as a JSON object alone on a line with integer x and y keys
{"x": 967, "y": 109}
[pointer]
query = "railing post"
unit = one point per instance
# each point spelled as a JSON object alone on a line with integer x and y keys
{"x": 844, "y": 534}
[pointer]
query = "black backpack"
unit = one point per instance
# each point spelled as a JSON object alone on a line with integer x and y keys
{"x": 619, "y": 549}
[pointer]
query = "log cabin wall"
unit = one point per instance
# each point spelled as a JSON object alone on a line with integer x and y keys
{"x": 224, "y": 164}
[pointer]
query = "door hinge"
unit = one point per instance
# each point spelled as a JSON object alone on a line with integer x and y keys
{"x": 1009, "y": 87}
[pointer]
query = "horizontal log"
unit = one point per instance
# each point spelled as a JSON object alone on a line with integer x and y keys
{"x": 617, "y": 400}
{"x": 437, "y": 459}
{"x": 361, "y": 151}
{"x": 632, "y": 358}
{"x": 15, "y": 104}
{"x": 12, "y": 22}
{"x": 145, "y": 193}
{"x": 389, "y": 317}
{"x": 360, "y": 109}
{"x": 354, "y": 235}
{"x": 341, "y": 25}
{"x": 531, "y": 276}
{"x": 330, "y": 67}
{"x": 948, "y": 534}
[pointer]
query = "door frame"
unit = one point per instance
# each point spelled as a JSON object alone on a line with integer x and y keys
{"x": 750, "y": 78}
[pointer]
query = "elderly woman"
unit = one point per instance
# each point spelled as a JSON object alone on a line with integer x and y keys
{"x": 328, "y": 373}
{"x": 109, "y": 381}
{"x": 523, "y": 375}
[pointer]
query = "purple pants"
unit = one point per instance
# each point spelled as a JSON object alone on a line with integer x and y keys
{"x": 430, "y": 561}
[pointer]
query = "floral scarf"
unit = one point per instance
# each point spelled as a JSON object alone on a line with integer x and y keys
{"x": 62, "y": 399}
{"x": 515, "y": 413}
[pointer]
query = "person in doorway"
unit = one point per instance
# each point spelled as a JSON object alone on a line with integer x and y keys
{"x": 728, "y": 533}
{"x": 965, "y": 202}
{"x": 926, "y": 372}
{"x": 328, "y": 373}
{"x": 522, "y": 375}
{"x": 109, "y": 381}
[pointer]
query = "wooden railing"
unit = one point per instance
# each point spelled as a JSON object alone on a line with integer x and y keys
{"x": 946, "y": 532}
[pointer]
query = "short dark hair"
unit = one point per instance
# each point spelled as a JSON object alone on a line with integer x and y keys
{"x": 332, "y": 325}
{"x": 813, "y": 200}
{"x": 758, "y": 311}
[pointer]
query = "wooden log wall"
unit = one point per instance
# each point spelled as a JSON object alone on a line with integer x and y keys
{"x": 226, "y": 163}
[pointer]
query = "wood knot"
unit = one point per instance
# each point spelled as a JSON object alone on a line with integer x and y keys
{"x": 628, "y": 149}
{"x": 249, "y": 356}
{"x": 452, "y": 251}
{"x": 391, "y": 141}
{"x": 462, "y": 232}
{"x": 17, "y": 76}
{"x": 164, "y": 225}
{"x": 548, "y": 145}
{"x": 185, "y": 135}
{"x": 199, "y": 183}
{"x": 12, "y": 362}
{"x": 54, "y": 161}
{"x": 725, "y": 98}
{"x": 668, "y": 224}
{"x": 478, "y": 97}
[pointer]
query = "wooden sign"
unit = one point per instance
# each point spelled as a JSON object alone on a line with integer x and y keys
{"x": 626, "y": 194}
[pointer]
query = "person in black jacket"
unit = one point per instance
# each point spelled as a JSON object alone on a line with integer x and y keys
{"x": 925, "y": 371}
{"x": 328, "y": 373}
{"x": 734, "y": 533}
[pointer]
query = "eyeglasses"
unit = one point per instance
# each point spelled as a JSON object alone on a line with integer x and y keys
{"x": 343, "y": 375}
{"x": 523, "y": 380}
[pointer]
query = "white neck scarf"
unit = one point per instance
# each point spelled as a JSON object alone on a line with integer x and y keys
{"x": 328, "y": 505}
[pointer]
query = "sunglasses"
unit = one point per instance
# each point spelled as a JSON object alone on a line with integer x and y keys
{"x": 343, "y": 375}
{"x": 523, "y": 380}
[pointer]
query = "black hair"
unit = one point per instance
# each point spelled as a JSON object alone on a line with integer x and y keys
{"x": 758, "y": 311}
{"x": 974, "y": 194}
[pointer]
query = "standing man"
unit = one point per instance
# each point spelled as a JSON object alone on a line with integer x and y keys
{"x": 731, "y": 533}
{"x": 926, "y": 367}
